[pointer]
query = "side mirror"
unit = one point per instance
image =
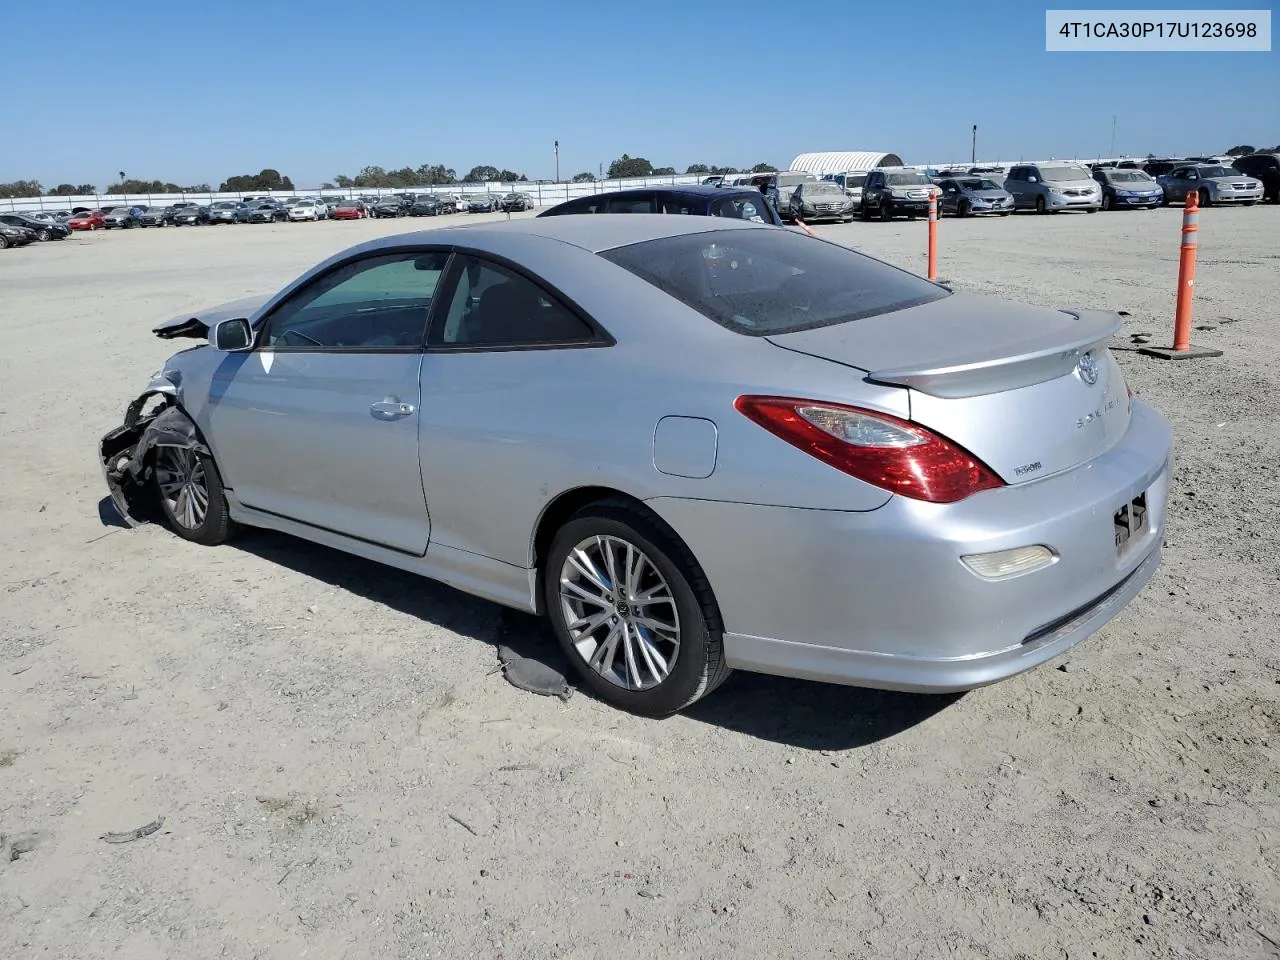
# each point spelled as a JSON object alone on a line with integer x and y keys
{"x": 232, "y": 336}
{"x": 1033, "y": 179}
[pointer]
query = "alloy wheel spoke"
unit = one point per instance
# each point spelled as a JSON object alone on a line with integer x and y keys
{"x": 581, "y": 562}
{"x": 585, "y": 626}
{"x": 602, "y": 659}
{"x": 628, "y": 649}
{"x": 582, "y": 593}
{"x": 610, "y": 560}
{"x": 653, "y": 660}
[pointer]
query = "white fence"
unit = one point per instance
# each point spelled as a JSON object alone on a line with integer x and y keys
{"x": 544, "y": 194}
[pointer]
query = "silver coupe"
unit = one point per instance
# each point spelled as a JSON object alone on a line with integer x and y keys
{"x": 694, "y": 444}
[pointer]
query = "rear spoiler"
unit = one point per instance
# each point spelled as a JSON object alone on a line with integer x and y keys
{"x": 1035, "y": 364}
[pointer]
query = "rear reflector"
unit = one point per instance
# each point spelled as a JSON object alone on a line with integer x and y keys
{"x": 1009, "y": 563}
{"x": 895, "y": 455}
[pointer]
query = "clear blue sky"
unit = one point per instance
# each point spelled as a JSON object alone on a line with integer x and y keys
{"x": 196, "y": 92}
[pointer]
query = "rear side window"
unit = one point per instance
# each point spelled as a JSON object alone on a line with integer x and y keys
{"x": 763, "y": 282}
{"x": 742, "y": 207}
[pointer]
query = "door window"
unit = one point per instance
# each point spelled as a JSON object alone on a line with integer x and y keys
{"x": 376, "y": 303}
{"x": 493, "y": 306}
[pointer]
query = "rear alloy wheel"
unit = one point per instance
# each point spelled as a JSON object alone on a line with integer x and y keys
{"x": 633, "y": 610}
{"x": 189, "y": 488}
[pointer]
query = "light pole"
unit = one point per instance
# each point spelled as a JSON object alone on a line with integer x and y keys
{"x": 557, "y": 161}
{"x": 973, "y": 149}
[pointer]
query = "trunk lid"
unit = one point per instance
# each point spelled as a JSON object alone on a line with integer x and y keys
{"x": 1028, "y": 390}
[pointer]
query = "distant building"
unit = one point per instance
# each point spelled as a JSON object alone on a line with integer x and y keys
{"x": 843, "y": 161}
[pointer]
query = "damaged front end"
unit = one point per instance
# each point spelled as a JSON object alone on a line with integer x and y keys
{"x": 153, "y": 420}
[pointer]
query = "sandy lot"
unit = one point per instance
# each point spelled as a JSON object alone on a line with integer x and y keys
{"x": 309, "y": 724}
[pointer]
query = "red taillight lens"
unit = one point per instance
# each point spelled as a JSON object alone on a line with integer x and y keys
{"x": 892, "y": 454}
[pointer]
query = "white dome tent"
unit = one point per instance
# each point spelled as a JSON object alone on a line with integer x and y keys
{"x": 843, "y": 161}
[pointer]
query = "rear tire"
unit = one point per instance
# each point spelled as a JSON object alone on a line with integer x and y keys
{"x": 189, "y": 489}
{"x": 655, "y": 677}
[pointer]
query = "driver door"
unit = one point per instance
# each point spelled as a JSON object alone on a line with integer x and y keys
{"x": 319, "y": 422}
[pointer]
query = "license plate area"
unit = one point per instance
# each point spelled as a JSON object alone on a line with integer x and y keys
{"x": 1129, "y": 521}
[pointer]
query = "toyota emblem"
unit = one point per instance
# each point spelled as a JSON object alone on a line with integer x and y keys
{"x": 1087, "y": 367}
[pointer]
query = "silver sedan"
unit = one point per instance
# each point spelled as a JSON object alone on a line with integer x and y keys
{"x": 694, "y": 444}
{"x": 1213, "y": 182}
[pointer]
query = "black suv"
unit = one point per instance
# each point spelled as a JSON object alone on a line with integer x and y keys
{"x": 698, "y": 201}
{"x": 1264, "y": 167}
{"x": 890, "y": 193}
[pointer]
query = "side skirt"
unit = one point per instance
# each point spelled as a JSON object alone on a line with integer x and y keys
{"x": 484, "y": 577}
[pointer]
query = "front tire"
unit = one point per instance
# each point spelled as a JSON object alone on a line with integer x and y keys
{"x": 189, "y": 489}
{"x": 1107, "y": 202}
{"x": 1040, "y": 208}
{"x": 1205, "y": 199}
{"x": 633, "y": 611}
{"x": 886, "y": 210}
{"x": 962, "y": 209}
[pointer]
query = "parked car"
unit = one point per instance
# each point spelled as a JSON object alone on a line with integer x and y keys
{"x": 307, "y": 208}
{"x": 1264, "y": 167}
{"x": 427, "y": 205}
{"x": 189, "y": 214}
{"x": 266, "y": 211}
{"x": 517, "y": 202}
{"x": 1127, "y": 189}
{"x": 44, "y": 230}
{"x": 890, "y": 192}
{"x": 348, "y": 210}
{"x": 1053, "y": 187}
{"x": 447, "y": 202}
{"x": 484, "y": 203}
{"x": 851, "y": 183}
{"x": 815, "y": 200}
{"x": 153, "y": 217}
{"x": 89, "y": 220}
{"x": 228, "y": 211}
{"x": 965, "y": 196}
{"x": 1158, "y": 168}
{"x": 737, "y": 203}
{"x": 368, "y": 200}
{"x": 15, "y": 236}
{"x": 974, "y": 529}
{"x": 124, "y": 217}
{"x": 390, "y": 206}
{"x": 1213, "y": 182}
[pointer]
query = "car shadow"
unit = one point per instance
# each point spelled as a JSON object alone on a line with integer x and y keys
{"x": 798, "y": 713}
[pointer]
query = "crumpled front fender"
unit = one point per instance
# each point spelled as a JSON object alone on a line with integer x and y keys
{"x": 125, "y": 452}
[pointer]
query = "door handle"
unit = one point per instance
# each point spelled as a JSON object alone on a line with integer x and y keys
{"x": 391, "y": 409}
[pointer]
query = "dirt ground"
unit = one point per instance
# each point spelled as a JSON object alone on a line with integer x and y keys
{"x": 341, "y": 774}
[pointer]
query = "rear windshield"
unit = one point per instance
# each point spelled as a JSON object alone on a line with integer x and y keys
{"x": 764, "y": 282}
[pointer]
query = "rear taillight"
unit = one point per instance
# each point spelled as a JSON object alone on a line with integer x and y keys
{"x": 892, "y": 454}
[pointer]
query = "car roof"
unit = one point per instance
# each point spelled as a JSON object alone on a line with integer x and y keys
{"x": 594, "y": 234}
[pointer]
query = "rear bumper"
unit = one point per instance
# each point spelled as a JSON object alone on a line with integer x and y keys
{"x": 882, "y": 598}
